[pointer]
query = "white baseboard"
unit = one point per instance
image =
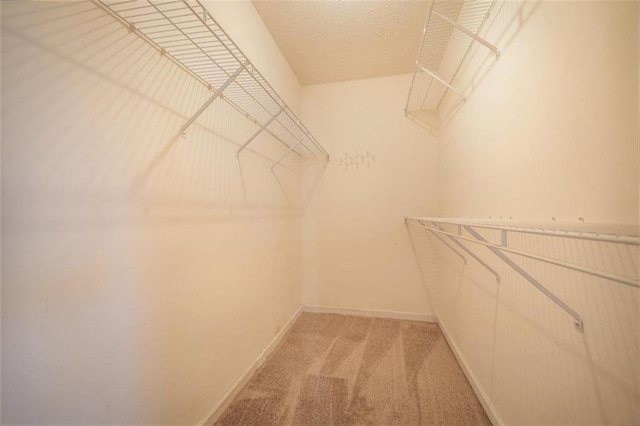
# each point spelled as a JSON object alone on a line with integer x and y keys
{"x": 370, "y": 313}
{"x": 226, "y": 400}
{"x": 482, "y": 395}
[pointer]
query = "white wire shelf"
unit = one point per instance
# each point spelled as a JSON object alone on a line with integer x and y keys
{"x": 452, "y": 33}
{"x": 186, "y": 33}
{"x": 466, "y": 230}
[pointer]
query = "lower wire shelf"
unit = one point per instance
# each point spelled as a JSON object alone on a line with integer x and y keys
{"x": 466, "y": 230}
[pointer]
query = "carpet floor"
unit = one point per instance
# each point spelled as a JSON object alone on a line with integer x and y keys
{"x": 346, "y": 370}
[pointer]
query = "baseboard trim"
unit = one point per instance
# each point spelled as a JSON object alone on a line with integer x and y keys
{"x": 483, "y": 397}
{"x": 226, "y": 400}
{"x": 370, "y": 313}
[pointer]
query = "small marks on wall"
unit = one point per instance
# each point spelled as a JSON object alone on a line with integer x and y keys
{"x": 356, "y": 161}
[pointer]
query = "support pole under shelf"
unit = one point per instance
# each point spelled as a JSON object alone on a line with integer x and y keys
{"x": 287, "y": 153}
{"x": 260, "y": 130}
{"x": 215, "y": 96}
{"x": 443, "y": 241}
{"x": 472, "y": 254}
{"x": 601, "y": 274}
{"x": 577, "y": 320}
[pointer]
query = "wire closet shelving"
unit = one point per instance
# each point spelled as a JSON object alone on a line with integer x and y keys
{"x": 452, "y": 34}
{"x": 465, "y": 230}
{"x": 186, "y": 33}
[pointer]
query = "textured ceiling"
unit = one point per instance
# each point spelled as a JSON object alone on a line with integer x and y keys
{"x": 329, "y": 41}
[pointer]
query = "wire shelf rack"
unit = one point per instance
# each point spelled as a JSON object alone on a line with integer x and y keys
{"x": 452, "y": 33}
{"x": 185, "y": 32}
{"x": 610, "y": 234}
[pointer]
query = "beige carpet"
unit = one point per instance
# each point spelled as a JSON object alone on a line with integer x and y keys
{"x": 345, "y": 370}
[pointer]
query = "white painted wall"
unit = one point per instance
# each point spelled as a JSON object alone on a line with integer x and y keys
{"x": 552, "y": 131}
{"x": 357, "y": 252}
{"x": 141, "y": 273}
{"x": 126, "y": 288}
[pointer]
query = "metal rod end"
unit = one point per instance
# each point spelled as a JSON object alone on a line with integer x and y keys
{"x": 579, "y": 326}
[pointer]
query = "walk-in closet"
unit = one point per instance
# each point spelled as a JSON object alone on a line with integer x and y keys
{"x": 320, "y": 212}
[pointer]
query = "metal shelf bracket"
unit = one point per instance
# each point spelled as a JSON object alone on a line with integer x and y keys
{"x": 257, "y": 133}
{"x": 446, "y": 243}
{"x": 213, "y": 97}
{"x": 577, "y": 320}
{"x": 287, "y": 153}
{"x": 603, "y": 233}
{"x": 472, "y": 254}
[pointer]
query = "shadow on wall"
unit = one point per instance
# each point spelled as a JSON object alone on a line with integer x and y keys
{"x": 91, "y": 119}
{"x": 431, "y": 104}
{"x": 511, "y": 334}
{"x": 427, "y": 260}
{"x": 126, "y": 290}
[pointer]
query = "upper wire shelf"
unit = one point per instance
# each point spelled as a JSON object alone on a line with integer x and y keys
{"x": 184, "y": 31}
{"x": 609, "y": 234}
{"x": 452, "y": 33}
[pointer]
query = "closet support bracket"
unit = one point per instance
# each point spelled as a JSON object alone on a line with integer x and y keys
{"x": 577, "y": 320}
{"x": 446, "y": 243}
{"x": 260, "y": 130}
{"x": 213, "y": 97}
{"x": 472, "y": 254}
{"x": 287, "y": 153}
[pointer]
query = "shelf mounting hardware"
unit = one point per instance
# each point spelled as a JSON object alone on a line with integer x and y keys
{"x": 601, "y": 274}
{"x": 471, "y": 253}
{"x": 503, "y": 237}
{"x": 577, "y": 320}
{"x": 213, "y": 97}
{"x": 604, "y": 233}
{"x": 439, "y": 230}
{"x": 260, "y": 130}
{"x": 287, "y": 153}
{"x": 446, "y": 243}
